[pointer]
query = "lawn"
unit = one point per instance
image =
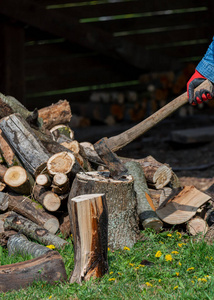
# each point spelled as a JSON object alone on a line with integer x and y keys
{"x": 167, "y": 265}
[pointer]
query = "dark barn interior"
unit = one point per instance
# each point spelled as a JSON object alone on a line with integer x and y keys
{"x": 116, "y": 62}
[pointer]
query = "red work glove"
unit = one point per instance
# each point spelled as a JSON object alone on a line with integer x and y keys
{"x": 200, "y": 96}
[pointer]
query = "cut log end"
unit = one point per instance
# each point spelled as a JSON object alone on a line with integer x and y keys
{"x": 51, "y": 201}
{"x": 60, "y": 163}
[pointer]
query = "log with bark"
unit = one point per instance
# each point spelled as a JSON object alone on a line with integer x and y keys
{"x": 17, "y": 179}
{"x": 4, "y": 201}
{"x": 123, "y": 226}
{"x": 28, "y": 147}
{"x": 33, "y": 211}
{"x": 197, "y": 226}
{"x": 19, "y": 244}
{"x": 55, "y": 114}
{"x": 33, "y": 231}
{"x": 146, "y": 214}
{"x": 60, "y": 184}
{"x": 89, "y": 225}
{"x": 62, "y": 133}
{"x": 157, "y": 175}
{"x": 44, "y": 180}
{"x": 47, "y": 198}
{"x": 43, "y": 268}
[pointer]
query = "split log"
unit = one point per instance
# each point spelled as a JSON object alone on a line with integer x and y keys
{"x": 33, "y": 231}
{"x": 123, "y": 227}
{"x": 196, "y": 226}
{"x": 157, "y": 175}
{"x": 2, "y": 186}
{"x": 55, "y": 114}
{"x": 16, "y": 178}
{"x": 27, "y": 146}
{"x": 48, "y": 267}
{"x": 155, "y": 196}
{"x": 60, "y": 163}
{"x": 89, "y": 225}
{"x": 19, "y": 244}
{"x": 34, "y": 212}
{"x": 146, "y": 214}
{"x": 62, "y": 133}
{"x": 60, "y": 184}
{"x": 182, "y": 207}
{"x": 43, "y": 179}
{"x": 4, "y": 201}
{"x": 47, "y": 198}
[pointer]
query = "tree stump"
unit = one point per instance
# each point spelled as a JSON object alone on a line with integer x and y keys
{"x": 89, "y": 225}
{"x": 121, "y": 201}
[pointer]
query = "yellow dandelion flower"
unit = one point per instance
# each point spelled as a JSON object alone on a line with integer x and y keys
{"x": 51, "y": 247}
{"x": 208, "y": 276}
{"x": 131, "y": 264}
{"x": 111, "y": 272}
{"x": 148, "y": 284}
{"x": 204, "y": 279}
{"x": 180, "y": 244}
{"x": 175, "y": 252}
{"x": 169, "y": 234}
{"x": 159, "y": 280}
{"x": 109, "y": 249}
{"x": 179, "y": 263}
{"x": 175, "y": 287}
{"x": 211, "y": 258}
{"x": 168, "y": 257}
{"x": 141, "y": 265}
{"x": 158, "y": 254}
{"x": 50, "y": 297}
{"x": 126, "y": 248}
{"x": 199, "y": 279}
{"x": 177, "y": 273}
{"x": 192, "y": 281}
{"x": 179, "y": 234}
{"x": 137, "y": 268}
{"x": 119, "y": 273}
{"x": 111, "y": 279}
{"x": 161, "y": 242}
{"x": 189, "y": 269}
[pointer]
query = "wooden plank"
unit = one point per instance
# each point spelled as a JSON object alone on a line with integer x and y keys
{"x": 182, "y": 207}
{"x": 193, "y": 135}
{"x": 82, "y": 34}
{"x": 128, "y": 7}
{"x": 150, "y": 22}
{"x": 12, "y": 60}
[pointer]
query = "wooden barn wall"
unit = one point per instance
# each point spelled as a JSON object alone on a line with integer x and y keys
{"x": 57, "y": 69}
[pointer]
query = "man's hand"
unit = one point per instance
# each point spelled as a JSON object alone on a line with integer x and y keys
{"x": 200, "y": 96}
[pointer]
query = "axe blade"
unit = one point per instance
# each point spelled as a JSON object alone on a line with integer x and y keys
{"x": 110, "y": 159}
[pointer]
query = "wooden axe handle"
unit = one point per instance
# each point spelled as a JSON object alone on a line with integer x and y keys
{"x": 119, "y": 141}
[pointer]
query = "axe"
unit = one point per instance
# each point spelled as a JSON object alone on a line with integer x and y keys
{"x": 106, "y": 147}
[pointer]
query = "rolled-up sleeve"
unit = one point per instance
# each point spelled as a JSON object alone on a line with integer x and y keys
{"x": 206, "y": 65}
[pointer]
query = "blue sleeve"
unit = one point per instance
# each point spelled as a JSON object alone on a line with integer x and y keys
{"x": 206, "y": 65}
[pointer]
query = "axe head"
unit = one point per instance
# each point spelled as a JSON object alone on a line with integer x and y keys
{"x": 110, "y": 159}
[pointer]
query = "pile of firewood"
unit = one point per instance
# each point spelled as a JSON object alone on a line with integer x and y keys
{"x": 51, "y": 183}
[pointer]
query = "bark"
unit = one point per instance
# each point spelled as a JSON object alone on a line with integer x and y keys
{"x": 34, "y": 212}
{"x": 16, "y": 178}
{"x": 157, "y": 175}
{"x": 48, "y": 267}
{"x": 55, "y": 114}
{"x": 47, "y": 198}
{"x": 19, "y": 244}
{"x": 89, "y": 223}
{"x": 4, "y": 201}
{"x": 3, "y": 169}
{"x": 27, "y": 146}
{"x": 147, "y": 216}
{"x": 65, "y": 227}
{"x": 33, "y": 231}
{"x": 5, "y": 235}
{"x": 91, "y": 154}
{"x": 123, "y": 219}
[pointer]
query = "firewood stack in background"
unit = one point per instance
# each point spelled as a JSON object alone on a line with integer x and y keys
{"x": 42, "y": 163}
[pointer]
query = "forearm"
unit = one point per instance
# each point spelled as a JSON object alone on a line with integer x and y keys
{"x": 206, "y": 65}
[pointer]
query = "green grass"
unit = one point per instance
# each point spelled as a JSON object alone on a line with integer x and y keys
{"x": 187, "y": 275}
